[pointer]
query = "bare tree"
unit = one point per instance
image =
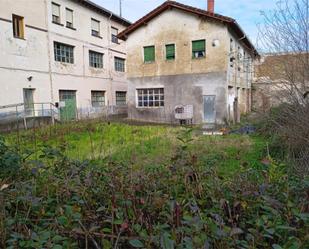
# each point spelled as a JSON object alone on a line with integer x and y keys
{"x": 285, "y": 35}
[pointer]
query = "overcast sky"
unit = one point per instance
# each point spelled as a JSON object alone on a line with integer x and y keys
{"x": 246, "y": 12}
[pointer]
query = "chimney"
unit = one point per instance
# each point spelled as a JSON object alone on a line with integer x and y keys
{"x": 211, "y": 6}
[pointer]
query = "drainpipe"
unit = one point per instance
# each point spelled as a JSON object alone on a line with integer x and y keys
{"x": 49, "y": 53}
{"x": 109, "y": 57}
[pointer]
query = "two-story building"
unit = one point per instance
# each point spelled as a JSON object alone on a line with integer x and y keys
{"x": 64, "y": 52}
{"x": 178, "y": 55}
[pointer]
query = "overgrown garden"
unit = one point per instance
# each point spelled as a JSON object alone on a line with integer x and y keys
{"x": 109, "y": 185}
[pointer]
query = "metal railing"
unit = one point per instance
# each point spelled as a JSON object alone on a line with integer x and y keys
{"x": 22, "y": 111}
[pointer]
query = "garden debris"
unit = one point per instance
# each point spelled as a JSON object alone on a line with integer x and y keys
{"x": 247, "y": 129}
{"x": 4, "y": 186}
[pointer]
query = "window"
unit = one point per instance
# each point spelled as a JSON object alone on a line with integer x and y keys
{"x": 95, "y": 59}
{"x": 198, "y": 49}
{"x": 95, "y": 27}
{"x": 69, "y": 16}
{"x": 121, "y": 98}
{"x": 114, "y": 35}
{"x": 97, "y": 98}
{"x": 119, "y": 64}
{"x": 56, "y": 13}
{"x": 18, "y": 26}
{"x": 149, "y": 54}
{"x": 153, "y": 97}
{"x": 170, "y": 52}
{"x": 63, "y": 52}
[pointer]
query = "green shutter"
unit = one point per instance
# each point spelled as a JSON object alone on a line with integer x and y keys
{"x": 149, "y": 54}
{"x": 198, "y": 46}
{"x": 170, "y": 52}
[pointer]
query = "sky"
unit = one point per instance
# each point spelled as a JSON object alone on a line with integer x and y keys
{"x": 246, "y": 12}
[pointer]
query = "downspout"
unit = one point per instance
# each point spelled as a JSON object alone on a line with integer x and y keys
{"x": 49, "y": 53}
{"x": 109, "y": 58}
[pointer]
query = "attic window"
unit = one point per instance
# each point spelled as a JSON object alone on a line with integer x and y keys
{"x": 198, "y": 49}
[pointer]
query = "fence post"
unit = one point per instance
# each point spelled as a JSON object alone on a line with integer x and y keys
{"x": 52, "y": 114}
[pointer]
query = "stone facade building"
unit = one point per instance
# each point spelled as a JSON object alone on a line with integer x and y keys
{"x": 63, "y": 52}
{"x": 181, "y": 55}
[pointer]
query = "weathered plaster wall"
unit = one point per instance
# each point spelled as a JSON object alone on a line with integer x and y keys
{"x": 185, "y": 80}
{"x": 186, "y": 89}
{"x": 174, "y": 26}
{"x": 31, "y": 56}
{"x": 22, "y": 58}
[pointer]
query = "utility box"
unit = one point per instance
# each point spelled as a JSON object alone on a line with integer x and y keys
{"x": 184, "y": 113}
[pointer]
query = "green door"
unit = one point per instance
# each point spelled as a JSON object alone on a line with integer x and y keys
{"x": 67, "y": 105}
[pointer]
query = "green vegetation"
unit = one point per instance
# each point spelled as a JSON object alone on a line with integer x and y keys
{"x": 109, "y": 185}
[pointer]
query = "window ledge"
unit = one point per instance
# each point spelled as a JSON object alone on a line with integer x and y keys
{"x": 97, "y": 36}
{"x": 151, "y": 107}
{"x": 170, "y": 60}
{"x": 65, "y": 63}
{"x": 71, "y": 28}
{"x": 199, "y": 58}
{"x": 116, "y": 43}
{"x": 57, "y": 23}
{"x": 149, "y": 62}
{"x": 20, "y": 38}
{"x": 96, "y": 68}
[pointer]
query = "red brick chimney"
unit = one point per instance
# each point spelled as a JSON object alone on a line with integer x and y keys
{"x": 211, "y": 6}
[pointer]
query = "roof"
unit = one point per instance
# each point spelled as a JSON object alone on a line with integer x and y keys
{"x": 200, "y": 12}
{"x": 103, "y": 11}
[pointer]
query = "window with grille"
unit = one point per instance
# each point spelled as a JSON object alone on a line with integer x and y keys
{"x": 114, "y": 35}
{"x": 95, "y": 27}
{"x": 149, "y": 54}
{"x": 18, "y": 26}
{"x": 119, "y": 64}
{"x": 69, "y": 16}
{"x": 199, "y": 49}
{"x": 56, "y": 13}
{"x": 121, "y": 98}
{"x": 97, "y": 98}
{"x": 95, "y": 59}
{"x": 64, "y": 52}
{"x": 170, "y": 51}
{"x": 152, "y": 97}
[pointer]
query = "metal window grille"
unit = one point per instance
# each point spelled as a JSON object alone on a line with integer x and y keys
{"x": 153, "y": 97}
{"x": 64, "y": 52}
{"x": 95, "y": 59}
{"x": 121, "y": 98}
{"x": 119, "y": 64}
{"x": 97, "y": 98}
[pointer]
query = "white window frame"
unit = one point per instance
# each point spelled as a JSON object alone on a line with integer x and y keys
{"x": 150, "y": 92}
{"x": 103, "y": 102}
{"x": 69, "y": 23}
{"x": 56, "y": 20}
{"x": 98, "y": 59}
{"x": 97, "y": 22}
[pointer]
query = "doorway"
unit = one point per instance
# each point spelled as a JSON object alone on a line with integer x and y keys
{"x": 209, "y": 109}
{"x": 67, "y": 105}
{"x": 28, "y": 102}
